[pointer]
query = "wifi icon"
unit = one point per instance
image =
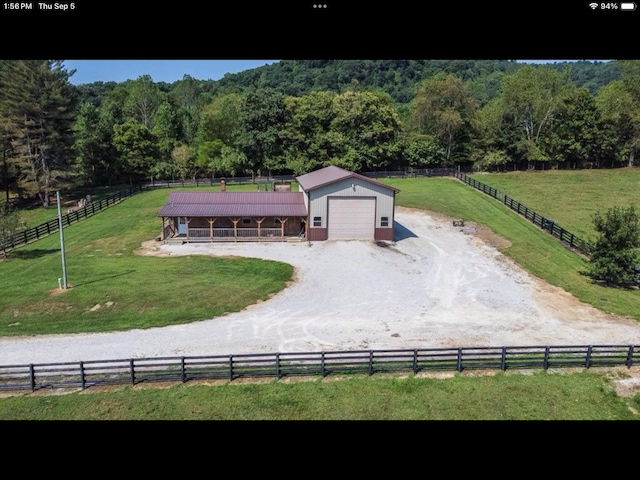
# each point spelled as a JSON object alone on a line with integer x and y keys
{"x": 593, "y": 5}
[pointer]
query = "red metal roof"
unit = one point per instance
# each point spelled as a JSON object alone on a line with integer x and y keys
{"x": 331, "y": 174}
{"x": 234, "y": 204}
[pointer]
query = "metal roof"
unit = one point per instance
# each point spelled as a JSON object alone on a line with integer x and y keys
{"x": 331, "y": 174}
{"x": 234, "y": 204}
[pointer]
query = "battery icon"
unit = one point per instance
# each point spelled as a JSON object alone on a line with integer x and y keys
{"x": 627, "y": 6}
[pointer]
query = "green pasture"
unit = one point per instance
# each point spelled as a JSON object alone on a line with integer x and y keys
{"x": 35, "y": 214}
{"x": 570, "y": 197}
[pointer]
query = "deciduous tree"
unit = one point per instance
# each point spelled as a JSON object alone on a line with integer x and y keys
{"x": 137, "y": 148}
{"x": 615, "y": 250}
{"x": 444, "y": 109}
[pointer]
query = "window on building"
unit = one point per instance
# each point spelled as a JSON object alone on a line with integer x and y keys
{"x": 246, "y": 221}
{"x": 384, "y": 221}
{"x": 317, "y": 221}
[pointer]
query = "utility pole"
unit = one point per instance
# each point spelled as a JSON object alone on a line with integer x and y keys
{"x": 64, "y": 268}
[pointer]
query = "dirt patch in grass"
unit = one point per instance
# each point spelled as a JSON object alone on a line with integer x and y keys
{"x": 150, "y": 248}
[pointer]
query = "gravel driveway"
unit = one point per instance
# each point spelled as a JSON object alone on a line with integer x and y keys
{"x": 435, "y": 286}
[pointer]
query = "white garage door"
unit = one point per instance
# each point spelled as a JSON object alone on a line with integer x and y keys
{"x": 352, "y": 218}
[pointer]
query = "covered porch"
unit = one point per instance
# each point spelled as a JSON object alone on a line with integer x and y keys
{"x": 191, "y": 216}
{"x": 234, "y": 229}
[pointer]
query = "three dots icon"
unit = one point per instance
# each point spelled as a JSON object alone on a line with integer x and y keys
{"x": 319, "y": 5}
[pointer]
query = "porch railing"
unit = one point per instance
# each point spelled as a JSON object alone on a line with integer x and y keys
{"x": 224, "y": 233}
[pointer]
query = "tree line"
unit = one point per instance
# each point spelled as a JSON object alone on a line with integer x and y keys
{"x": 470, "y": 115}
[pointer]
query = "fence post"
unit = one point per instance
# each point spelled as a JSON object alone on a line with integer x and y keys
{"x": 132, "y": 372}
{"x": 82, "y": 377}
{"x": 32, "y": 377}
{"x": 322, "y": 365}
{"x": 230, "y": 367}
{"x": 183, "y": 373}
{"x": 587, "y": 361}
{"x": 459, "y": 361}
{"x": 278, "y": 365}
{"x": 629, "y": 361}
{"x": 415, "y": 361}
{"x": 545, "y": 363}
{"x": 370, "y": 362}
{"x": 503, "y": 360}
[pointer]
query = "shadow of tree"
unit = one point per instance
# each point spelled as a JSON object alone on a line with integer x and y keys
{"x": 102, "y": 278}
{"x": 400, "y": 232}
{"x": 31, "y": 253}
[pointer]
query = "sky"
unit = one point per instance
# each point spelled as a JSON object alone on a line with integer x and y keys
{"x": 169, "y": 71}
{"x": 88, "y": 71}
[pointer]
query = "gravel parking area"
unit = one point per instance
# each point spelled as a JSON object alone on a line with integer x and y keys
{"x": 435, "y": 286}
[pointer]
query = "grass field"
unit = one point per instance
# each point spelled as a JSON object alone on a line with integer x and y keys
{"x": 113, "y": 288}
{"x": 570, "y": 197}
{"x": 585, "y": 395}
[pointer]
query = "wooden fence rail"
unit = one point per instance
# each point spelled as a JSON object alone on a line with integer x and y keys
{"x": 203, "y": 182}
{"x": 52, "y": 226}
{"x": 278, "y": 365}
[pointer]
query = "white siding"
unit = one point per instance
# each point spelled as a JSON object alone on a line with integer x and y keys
{"x": 351, "y": 218}
{"x": 351, "y": 187}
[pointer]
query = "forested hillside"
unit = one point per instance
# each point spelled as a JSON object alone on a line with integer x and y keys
{"x": 398, "y": 78}
{"x": 295, "y": 116}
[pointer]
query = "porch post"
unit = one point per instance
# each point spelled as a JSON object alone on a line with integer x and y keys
{"x": 235, "y": 227}
{"x": 282, "y": 222}
{"x": 211, "y": 222}
{"x": 259, "y": 221}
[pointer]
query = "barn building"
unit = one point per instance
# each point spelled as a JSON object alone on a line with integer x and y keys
{"x": 331, "y": 204}
{"x": 344, "y": 205}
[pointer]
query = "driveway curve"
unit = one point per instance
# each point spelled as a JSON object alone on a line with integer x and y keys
{"x": 435, "y": 286}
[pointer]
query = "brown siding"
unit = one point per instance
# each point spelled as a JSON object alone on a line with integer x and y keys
{"x": 384, "y": 234}
{"x": 317, "y": 234}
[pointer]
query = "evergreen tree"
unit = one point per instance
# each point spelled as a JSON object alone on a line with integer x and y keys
{"x": 38, "y": 107}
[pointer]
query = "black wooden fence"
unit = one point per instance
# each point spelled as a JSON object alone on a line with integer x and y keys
{"x": 202, "y": 182}
{"x": 412, "y": 173}
{"x": 35, "y": 233}
{"x": 568, "y": 238}
{"x": 278, "y": 365}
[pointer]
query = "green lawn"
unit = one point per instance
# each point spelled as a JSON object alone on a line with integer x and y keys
{"x": 113, "y": 288}
{"x": 582, "y": 395}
